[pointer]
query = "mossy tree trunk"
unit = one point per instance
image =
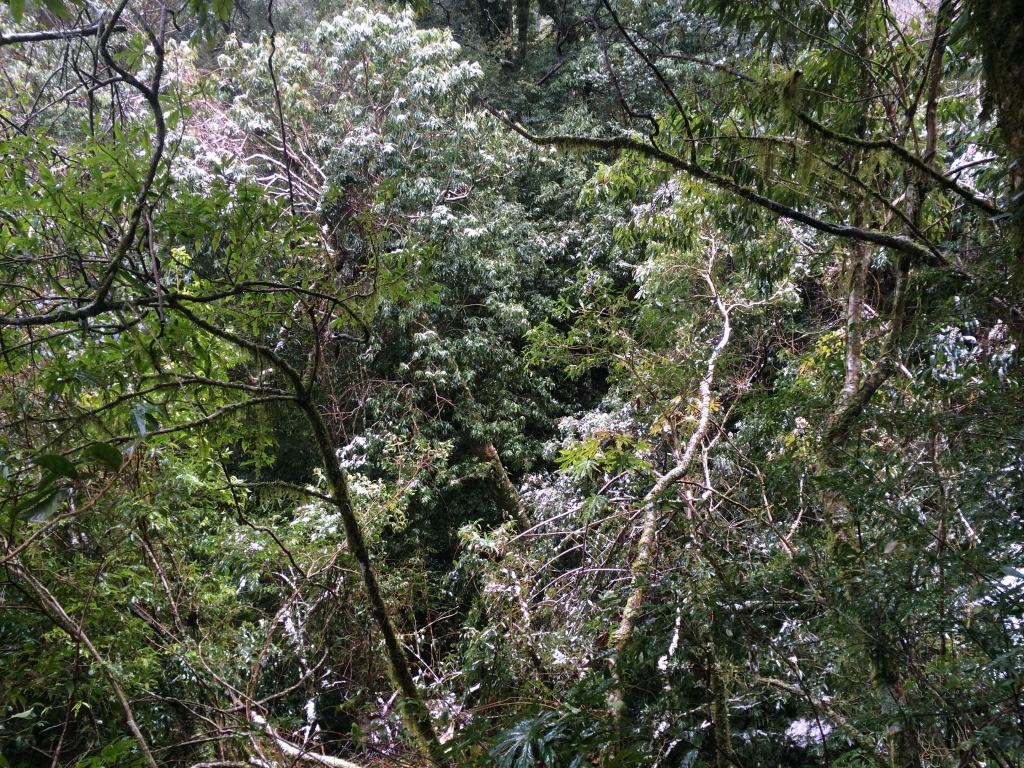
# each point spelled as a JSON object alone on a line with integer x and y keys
{"x": 522, "y": 29}
{"x": 413, "y": 709}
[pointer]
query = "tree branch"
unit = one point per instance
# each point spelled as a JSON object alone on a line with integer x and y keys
{"x": 17, "y": 38}
{"x": 250, "y": 346}
{"x": 899, "y": 243}
{"x": 866, "y": 744}
{"x": 53, "y": 610}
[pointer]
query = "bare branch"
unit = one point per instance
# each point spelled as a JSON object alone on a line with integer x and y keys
{"x": 899, "y": 243}
{"x": 17, "y": 38}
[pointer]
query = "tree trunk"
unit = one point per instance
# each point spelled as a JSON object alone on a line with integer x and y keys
{"x": 411, "y": 705}
{"x": 999, "y": 28}
{"x": 860, "y": 263}
{"x": 499, "y": 485}
{"x": 641, "y": 566}
{"x": 522, "y": 28}
{"x": 724, "y": 755}
{"x": 413, "y": 709}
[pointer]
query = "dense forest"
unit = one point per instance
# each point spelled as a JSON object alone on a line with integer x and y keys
{"x": 494, "y": 383}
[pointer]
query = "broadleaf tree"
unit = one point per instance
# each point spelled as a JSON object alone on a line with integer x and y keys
{"x": 467, "y": 384}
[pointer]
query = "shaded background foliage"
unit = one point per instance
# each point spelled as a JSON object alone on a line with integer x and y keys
{"x": 648, "y": 473}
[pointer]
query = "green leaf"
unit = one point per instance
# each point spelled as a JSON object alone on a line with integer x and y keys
{"x": 18, "y": 9}
{"x": 222, "y": 9}
{"x": 59, "y": 465}
{"x": 1011, "y": 571}
{"x": 105, "y": 454}
{"x": 58, "y": 8}
{"x": 139, "y": 418}
{"x": 45, "y": 509}
{"x": 28, "y": 714}
{"x": 29, "y": 501}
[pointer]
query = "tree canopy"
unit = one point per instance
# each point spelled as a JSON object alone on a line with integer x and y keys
{"x": 511, "y": 384}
